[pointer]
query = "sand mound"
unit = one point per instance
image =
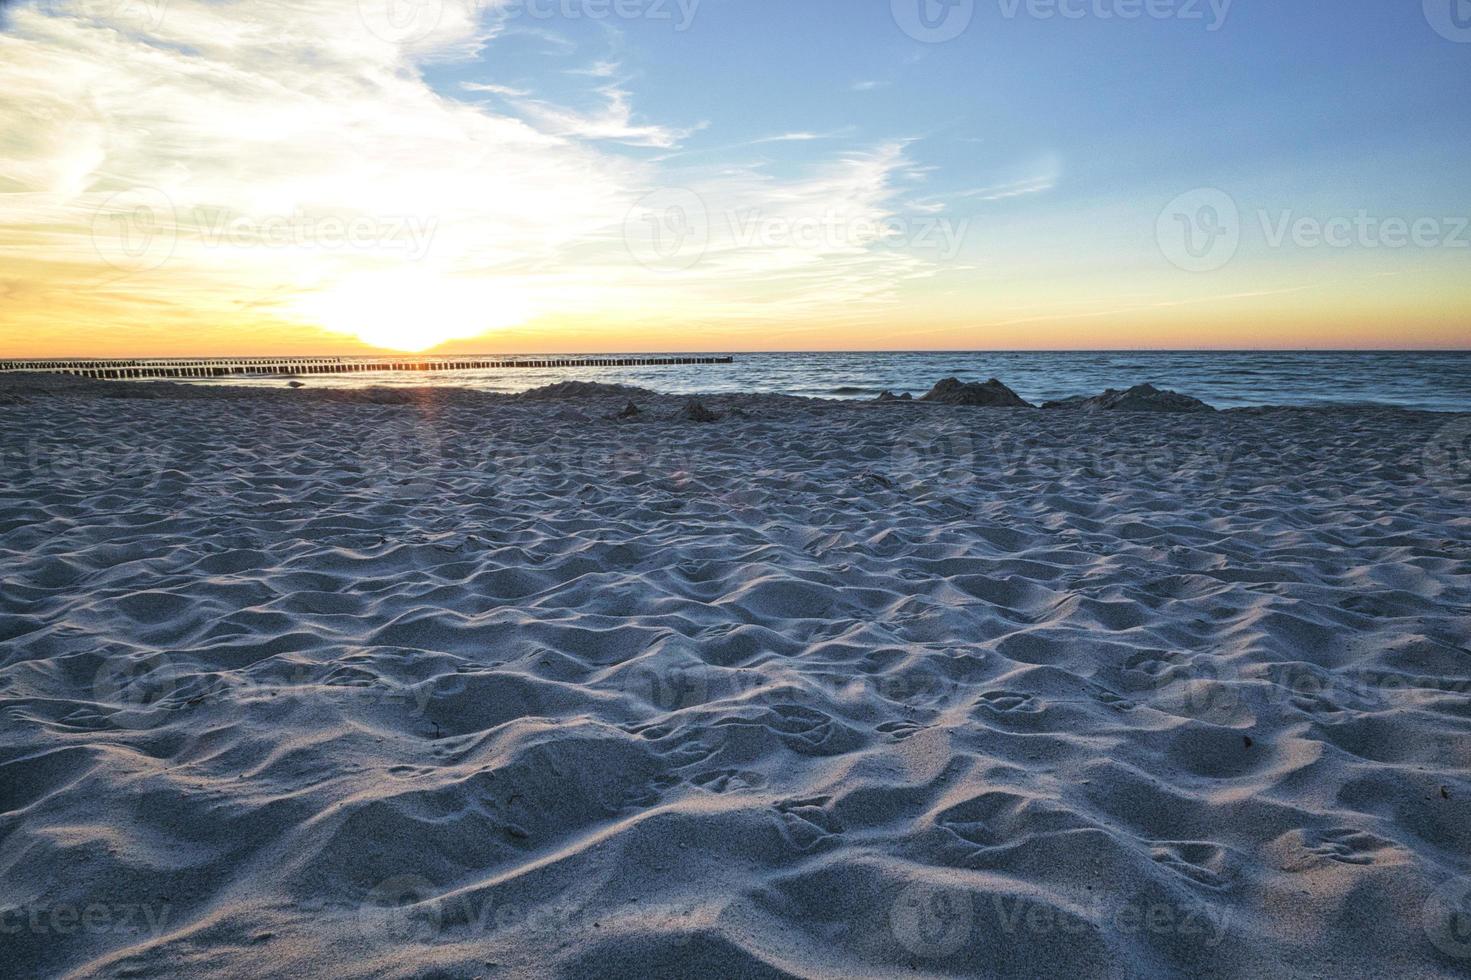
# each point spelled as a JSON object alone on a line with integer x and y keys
{"x": 584, "y": 389}
{"x": 989, "y": 394}
{"x": 1140, "y": 398}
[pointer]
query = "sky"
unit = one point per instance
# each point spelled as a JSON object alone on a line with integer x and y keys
{"x": 215, "y": 177}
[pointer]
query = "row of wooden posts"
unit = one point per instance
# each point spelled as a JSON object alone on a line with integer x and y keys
{"x": 114, "y": 370}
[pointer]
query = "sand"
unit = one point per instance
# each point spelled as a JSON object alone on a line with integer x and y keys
{"x": 302, "y": 684}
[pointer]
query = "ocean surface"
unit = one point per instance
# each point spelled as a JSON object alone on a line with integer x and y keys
{"x": 1433, "y": 381}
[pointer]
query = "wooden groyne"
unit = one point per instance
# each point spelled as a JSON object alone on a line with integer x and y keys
{"x": 224, "y": 367}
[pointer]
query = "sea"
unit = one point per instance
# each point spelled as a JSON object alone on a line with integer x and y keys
{"x": 1429, "y": 381}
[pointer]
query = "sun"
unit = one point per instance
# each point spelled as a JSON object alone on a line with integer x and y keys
{"x": 414, "y": 312}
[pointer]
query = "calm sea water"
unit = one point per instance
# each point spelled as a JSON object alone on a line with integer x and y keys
{"x": 1439, "y": 381}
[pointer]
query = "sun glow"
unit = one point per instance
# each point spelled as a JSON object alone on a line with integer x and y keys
{"x": 414, "y": 312}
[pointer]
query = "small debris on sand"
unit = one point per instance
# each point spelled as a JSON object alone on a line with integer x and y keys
{"x": 695, "y": 411}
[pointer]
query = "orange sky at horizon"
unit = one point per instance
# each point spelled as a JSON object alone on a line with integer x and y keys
{"x": 1366, "y": 315}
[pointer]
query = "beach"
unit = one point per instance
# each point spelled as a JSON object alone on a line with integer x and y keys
{"x": 441, "y": 683}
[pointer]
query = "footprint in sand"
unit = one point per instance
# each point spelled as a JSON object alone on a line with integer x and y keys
{"x": 1202, "y": 862}
{"x": 1009, "y": 702}
{"x": 1311, "y": 848}
{"x": 1346, "y": 845}
{"x": 728, "y": 780}
{"x": 898, "y": 731}
{"x": 807, "y": 823}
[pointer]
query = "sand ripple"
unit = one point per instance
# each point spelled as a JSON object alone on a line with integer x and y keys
{"x": 475, "y": 686}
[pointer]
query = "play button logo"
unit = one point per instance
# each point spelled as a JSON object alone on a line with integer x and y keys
{"x": 1450, "y": 18}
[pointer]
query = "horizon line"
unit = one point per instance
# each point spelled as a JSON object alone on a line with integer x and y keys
{"x": 409, "y": 355}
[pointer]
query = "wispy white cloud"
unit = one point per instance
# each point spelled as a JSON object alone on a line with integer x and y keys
{"x": 613, "y": 121}
{"x": 493, "y": 89}
{"x": 598, "y": 69}
{"x": 251, "y": 139}
{"x": 802, "y": 137}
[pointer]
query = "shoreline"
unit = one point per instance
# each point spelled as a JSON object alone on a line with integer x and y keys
{"x": 37, "y": 384}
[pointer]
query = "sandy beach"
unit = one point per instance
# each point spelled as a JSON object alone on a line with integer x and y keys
{"x": 435, "y": 683}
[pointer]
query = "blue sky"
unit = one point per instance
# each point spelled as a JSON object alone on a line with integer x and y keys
{"x": 604, "y": 173}
{"x": 1357, "y": 98}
